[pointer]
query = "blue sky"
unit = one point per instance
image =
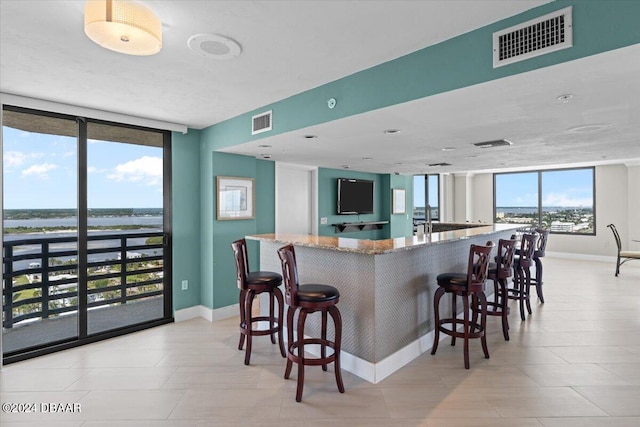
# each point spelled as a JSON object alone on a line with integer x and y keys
{"x": 570, "y": 188}
{"x": 40, "y": 172}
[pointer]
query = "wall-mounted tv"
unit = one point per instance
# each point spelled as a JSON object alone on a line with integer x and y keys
{"x": 355, "y": 196}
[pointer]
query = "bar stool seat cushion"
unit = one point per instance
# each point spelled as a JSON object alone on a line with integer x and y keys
{"x": 317, "y": 293}
{"x": 264, "y": 278}
{"x": 452, "y": 279}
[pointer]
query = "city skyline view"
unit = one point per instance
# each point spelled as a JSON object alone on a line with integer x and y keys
{"x": 40, "y": 172}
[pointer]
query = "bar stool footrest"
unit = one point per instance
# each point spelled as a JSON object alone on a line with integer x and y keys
{"x": 311, "y": 361}
{"x": 476, "y": 330}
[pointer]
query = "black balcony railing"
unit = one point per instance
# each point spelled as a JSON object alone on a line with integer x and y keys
{"x": 120, "y": 269}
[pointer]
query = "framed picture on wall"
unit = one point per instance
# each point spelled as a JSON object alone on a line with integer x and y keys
{"x": 235, "y": 198}
{"x": 398, "y": 202}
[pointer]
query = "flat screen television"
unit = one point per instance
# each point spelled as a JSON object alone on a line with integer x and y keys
{"x": 355, "y": 196}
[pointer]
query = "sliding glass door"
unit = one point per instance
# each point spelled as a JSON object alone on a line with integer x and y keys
{"x": 86, "y": 230}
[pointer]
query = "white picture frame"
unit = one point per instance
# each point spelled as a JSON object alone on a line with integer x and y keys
{"x": 398, "y": 202}
{"x": 235, "y": 198}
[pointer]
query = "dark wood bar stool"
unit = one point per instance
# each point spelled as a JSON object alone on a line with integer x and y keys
{"x": 469, "y": 285}
{"x": 307, "y": 299}
{"x": 522, "y": 272}
{"x": 250, "y": 285}
{"x": 538, "y": 253}
{"x": 499, "y": 273}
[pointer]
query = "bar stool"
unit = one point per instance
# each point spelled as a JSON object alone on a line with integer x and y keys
{"x": 537, "y": 254}
{"x": 309, "y": 299}
{"x": 521, "y": 272}
{"x": 250, "y": 285}
{"x": 499, "y": 273}
{"x": 471, "y": 284}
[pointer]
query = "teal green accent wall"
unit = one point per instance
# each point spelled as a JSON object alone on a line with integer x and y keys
{"x": 328, "y": 197}
{"x": 217, "y": 265}
{"x": 455, "y": 63}
{"x": 185, "y": 164}
{"x": 401, "y": 225}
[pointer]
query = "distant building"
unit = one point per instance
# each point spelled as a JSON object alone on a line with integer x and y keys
{"x": 562, "y": 227}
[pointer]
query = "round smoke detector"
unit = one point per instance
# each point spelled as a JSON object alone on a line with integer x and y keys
{"x": 214, "y": 46}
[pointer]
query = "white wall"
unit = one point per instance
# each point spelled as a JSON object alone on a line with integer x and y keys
{"x": 633, "y": 198}
{"x": 483, "y": 198}
{"x": 617, "y": 202}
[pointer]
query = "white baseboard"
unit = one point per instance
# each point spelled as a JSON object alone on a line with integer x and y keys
{"x": 206, "y": 313}
{"x": 581, "y": 257}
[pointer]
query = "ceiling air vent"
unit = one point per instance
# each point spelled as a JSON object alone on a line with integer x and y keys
{"x": 439, "y": 164}
{"x": 261, "y": 123}
{"x": 539, "y": 36}
{"x": 492, "y": 144}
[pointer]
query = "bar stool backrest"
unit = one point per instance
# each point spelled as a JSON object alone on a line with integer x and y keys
{"x": 542, "y": 242}
{"x": 242, "y": 262}
{"x": 478, "y": 266}
{"x": 527, "y": 248}
{"x": 289, "y": 274}
{"x": 504, "y": 259}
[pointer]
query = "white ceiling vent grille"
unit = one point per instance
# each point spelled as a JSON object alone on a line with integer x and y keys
{"x": 539, "y": 36}
{"x": 261, "y": 123}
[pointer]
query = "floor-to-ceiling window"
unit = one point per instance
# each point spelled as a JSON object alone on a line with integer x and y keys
{"x": 86, "y": 230}
{"x": 426, "y": 196}
{"x": 561, "y": 200}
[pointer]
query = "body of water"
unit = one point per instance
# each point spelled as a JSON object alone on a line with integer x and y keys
{"x": 72, "y": 223}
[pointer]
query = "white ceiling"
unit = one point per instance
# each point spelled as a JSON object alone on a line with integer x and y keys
{"x": 292, "y": 46}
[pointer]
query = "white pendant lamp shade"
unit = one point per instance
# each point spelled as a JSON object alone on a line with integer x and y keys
{"x": 123, "y": 26}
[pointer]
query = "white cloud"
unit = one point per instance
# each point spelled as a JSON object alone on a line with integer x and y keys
{"x": 13, "y": 159}
{"x": 147, "y": 170}
{"x": 40, "y": 171}
{"x": 563, "y": 199}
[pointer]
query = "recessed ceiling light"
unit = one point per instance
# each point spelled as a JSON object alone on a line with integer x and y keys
{"x": 473, "y": 156}
{"x": 266, "y": 156}
{"x": 392, "y": 131}
{"x": 264, "y": 146}
{"x": 565, "y": 98}
{"x": 310, "y": 136}
{"x": 439, "y": 164}
{"x": 367, "y": 158}
{"x": 346, "y": 167}
{"x": 398, "y": 163}
{"x": 590, "y": 128}
{"x": 448, "y": 149}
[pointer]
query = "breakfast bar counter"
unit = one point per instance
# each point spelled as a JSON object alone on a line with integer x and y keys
{"x": 386, "y": 288}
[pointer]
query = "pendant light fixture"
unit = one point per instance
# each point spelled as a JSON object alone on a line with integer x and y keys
{"x": 123, "y": 26}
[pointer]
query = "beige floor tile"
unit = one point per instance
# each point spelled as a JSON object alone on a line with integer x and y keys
{"x": 129, "y": 404}
{"x": 617, "y": 401}
{"x": 224, "y": 403}
{"x": 15, "y": 378}
{"x": 572, "y": 375}
{"x": 590, "y": 422}
{"x": 123, "y": 379}
{"x": 595, "y": 354}
{"x": 630, "y": 372}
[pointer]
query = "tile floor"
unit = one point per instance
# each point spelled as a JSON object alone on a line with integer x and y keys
{"x": 574, "y": 362}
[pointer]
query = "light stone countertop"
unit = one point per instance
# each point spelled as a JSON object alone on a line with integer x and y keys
{"x": 376, "y": 247}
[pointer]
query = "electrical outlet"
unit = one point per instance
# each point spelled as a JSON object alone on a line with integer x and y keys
{"x": 323, "y": 220}
{"x": 185, "y": 285}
